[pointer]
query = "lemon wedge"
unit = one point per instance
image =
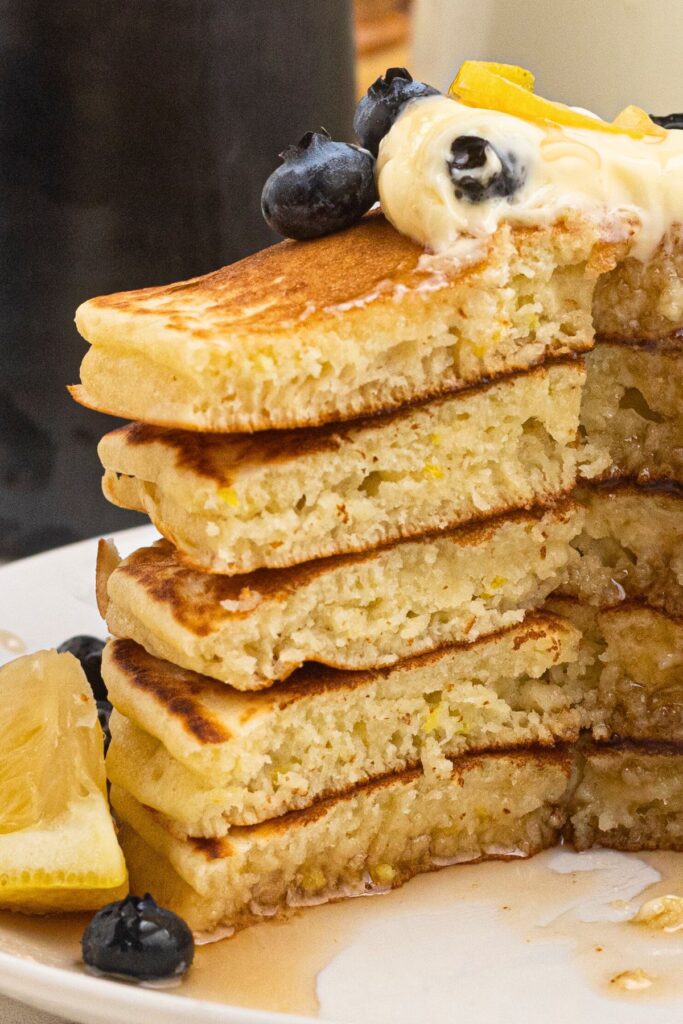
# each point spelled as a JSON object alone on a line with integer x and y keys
{"x": 58, "y": 847}
{"x": 509, "y": 89}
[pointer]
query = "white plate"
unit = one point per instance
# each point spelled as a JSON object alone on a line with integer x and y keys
{"x": 525, "y": 942}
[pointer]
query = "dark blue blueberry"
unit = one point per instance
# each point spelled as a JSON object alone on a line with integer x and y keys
{"x": 136, "y": 938}
{"x": 104, "y": 710}
{"x": 668, "y": 120}
{"x": 383, "y": 102}
{"x": 88, "y": 650}
{"x": 479, "y": 171}
{"x": 321, "y": 187}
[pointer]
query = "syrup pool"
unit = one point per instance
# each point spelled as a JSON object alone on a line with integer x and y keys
{"x": 535, "y": 940}
{"x": 11, "y": 642}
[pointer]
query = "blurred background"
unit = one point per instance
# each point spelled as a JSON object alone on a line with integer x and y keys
{"x": 135, "y": 137}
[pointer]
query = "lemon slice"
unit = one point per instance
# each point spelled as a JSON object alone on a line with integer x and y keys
{"x": 509, "y": 89}
{"x": 58, "y": 847}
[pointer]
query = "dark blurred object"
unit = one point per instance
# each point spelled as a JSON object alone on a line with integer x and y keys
{"x": 135, "y": 138}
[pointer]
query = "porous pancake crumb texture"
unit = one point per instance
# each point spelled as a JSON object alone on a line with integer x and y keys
{"x": 325, "y": 731}
{"x": 624, "y": 584}
{"x": 233, "y": 505}
{"x": 351, "y": 324}
{"x": 386, "y": 632}
{"x": 363, "y": 611}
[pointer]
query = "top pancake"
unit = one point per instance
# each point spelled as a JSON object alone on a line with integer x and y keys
{"x": 360, "y": 321}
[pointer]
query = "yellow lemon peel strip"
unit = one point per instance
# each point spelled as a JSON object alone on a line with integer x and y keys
{"x": 481, "y": 84}
{"x": 633, "y": 119}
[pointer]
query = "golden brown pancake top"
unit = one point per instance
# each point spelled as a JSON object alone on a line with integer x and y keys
{"x": 281, "y": 285}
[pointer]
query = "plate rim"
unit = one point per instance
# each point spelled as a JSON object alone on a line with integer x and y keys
{"x": 20, "y": 977}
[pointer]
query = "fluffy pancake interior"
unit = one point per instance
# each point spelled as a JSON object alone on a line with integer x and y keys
{"x": 354, "y": 323}
{"x": 380, "y": 834}
{"x": 643, "y": 301}
{"x": 631, "y": 655}
{"x": 362, "y": 611}
{"x": 235, "y": 504}
{"x": 632, "y": 408}
{"x": 630, "y": 798}
{"x": 631, "y": 546}
{"x": 330, "y": 731}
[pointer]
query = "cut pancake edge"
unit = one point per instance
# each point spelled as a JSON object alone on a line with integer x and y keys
{"x": 538, "y": 504}
{"x": 495, "y": 806}
{"x": 372, "y": 409}
{"x": 203, "y": 878}
{"x": 208, "y": 755}
{"x": 132, "y": 661}
{"x": 196, "y": 453}
{"x": 556, "y": 754}
{"x": 163, "y": 364}
{"x": 338, "y": 275}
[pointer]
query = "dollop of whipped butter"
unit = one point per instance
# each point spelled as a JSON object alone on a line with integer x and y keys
{"x": 618, "y": 181}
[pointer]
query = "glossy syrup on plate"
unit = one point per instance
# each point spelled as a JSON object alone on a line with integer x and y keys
{"x": 566, "y": 914}
{"x": 11, "y": 642}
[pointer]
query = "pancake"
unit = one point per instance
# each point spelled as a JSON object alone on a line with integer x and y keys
{"x": 235, "y": 504}
{"x": 632, "y": 658}
{"x": 630, "y": 798}
{"x": 632, "y": 408}
{"x": 630, "y": 547}
{"x": 377, "y": 836}
{"x": 354, "y": 612}
{"x": 361, "y": 321}
{"x": 210, "y": 758}
{"x": 643, "y": 300}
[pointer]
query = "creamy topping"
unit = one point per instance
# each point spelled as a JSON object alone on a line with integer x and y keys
{"x": 614, "y": 179}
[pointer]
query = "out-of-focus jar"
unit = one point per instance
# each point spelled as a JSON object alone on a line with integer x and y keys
{"x": 601, "y": 55}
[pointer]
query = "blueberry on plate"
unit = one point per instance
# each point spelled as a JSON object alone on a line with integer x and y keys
{"x": 383, "y": 102}
{"x": 88, "y": 650}
{"x": 104, "y": 710}
{"x": 135, "y": 938}
{"x": 321, "y": 187}
{"x": 668, "y": 120}
{"x": 479, "y": 171}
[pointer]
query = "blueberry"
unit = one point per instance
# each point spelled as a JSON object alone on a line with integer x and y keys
{"x": 104, "y": 710}
{"x": 383, "y": 102}
{"x": 322, "y": 186}
{"x": 668, "y": 120}
{"x": 136, "y": 938}
{"x": 479, "y": 171}
{"x": 88, "y": 650}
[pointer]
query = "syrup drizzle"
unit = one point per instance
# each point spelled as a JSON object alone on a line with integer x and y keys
{"x": 11, "y": 642}
{"x": 284, "y": 966}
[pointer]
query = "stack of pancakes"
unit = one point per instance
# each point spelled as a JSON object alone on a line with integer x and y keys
{"x": 625, "y": 590}
{"x": 332, "y": 672}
